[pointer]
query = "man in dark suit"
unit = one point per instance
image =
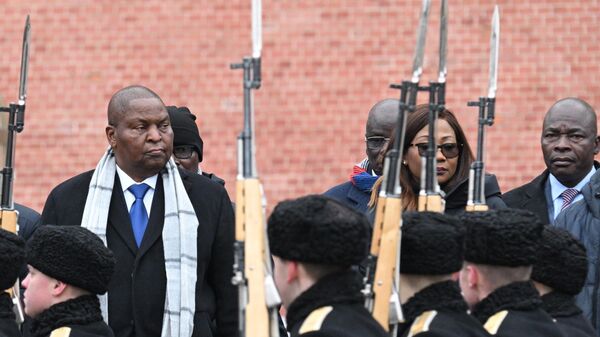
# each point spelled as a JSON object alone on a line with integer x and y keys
{"x": 139, "y": 228}
{"x": 356, "y": 192}
{"x": 569, "y": 143}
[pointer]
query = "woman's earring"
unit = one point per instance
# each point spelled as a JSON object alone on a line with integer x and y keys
{"x": 404, "y": 162}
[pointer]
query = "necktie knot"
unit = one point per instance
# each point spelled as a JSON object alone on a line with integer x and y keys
{"x": 139, "y": 190}
{"x": 568, "y": 195}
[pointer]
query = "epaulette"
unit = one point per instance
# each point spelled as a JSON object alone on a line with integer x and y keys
{"x": 61, "y": 332}
{"x": 493, "y": 323}
{"x": 422, "y": 323}
{"x": 314, "y": 320}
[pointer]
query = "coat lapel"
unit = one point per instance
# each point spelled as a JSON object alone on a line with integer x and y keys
{"x": 118, "y": 217}
{"x": 536, "y": 197}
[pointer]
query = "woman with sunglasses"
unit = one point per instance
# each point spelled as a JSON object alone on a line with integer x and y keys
{"x": 453, "y": 158}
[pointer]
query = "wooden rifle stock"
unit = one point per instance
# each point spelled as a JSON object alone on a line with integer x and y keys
{"x": 384, "y": 246}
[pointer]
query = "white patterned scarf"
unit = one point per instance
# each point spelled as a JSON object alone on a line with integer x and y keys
{"x": 180, "y": 250}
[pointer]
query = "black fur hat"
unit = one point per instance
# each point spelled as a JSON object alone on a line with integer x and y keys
{"x": 432, "y": 244}
{"x": 185, "y": 130}
{"x": 561, "y": 261}
{"x": 73, "y": 255}
{"x": 320, "y": 230}
{"x": 505, "y": 237}
{"x": 12, "y": 258}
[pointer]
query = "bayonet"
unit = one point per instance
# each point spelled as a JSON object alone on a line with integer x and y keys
{"x": 417, "y": 69}
{"x": 487, "y": 108}
{"x": 24, "y": 63}
{"x": 443, "y": 41}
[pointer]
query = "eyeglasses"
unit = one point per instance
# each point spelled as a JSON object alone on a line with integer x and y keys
{"x": 183, "y": 151}
{"x": 449, "y": 150}
{"x": 376, "y": 142}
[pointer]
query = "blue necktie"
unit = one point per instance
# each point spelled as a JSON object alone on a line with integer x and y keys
{"x": 138, "y": 214}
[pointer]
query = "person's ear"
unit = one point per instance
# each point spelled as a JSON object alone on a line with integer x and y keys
{"x": 111, "y": 136}
{"x": 292, "y": 271}
{"x": 597, "y": 145}
{"x": 58, "y": 287}
{"x": 472, "y": 276}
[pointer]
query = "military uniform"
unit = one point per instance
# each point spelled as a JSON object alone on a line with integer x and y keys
{"x": 323, "y": 233}
{"x": 12, "y": 260}
{"x": 79, "y": 317}
{"x": 439, "y": 310}
{"x": 514, "y": 309}
{"x": 8, "y": 325}
{"x": 78, "y": 258}
{"x": 334, "y": 306}
{"x": 568, "y": 316}
{"x": 565, "y": 273}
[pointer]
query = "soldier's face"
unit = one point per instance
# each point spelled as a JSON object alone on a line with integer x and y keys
{"x": 38, "y": 292}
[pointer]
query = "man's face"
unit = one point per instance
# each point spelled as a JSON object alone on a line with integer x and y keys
{"x": 378, "y": 132}
{"x": 142, "y": 138}
{"x": 38, "y": 292}
{"x": 569, "y": 144}
{"x": 186, "y": 157}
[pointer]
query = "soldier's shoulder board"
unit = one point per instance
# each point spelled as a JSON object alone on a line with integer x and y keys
{"x": 61, "y": 332}
{"x": 493, "y": 323}
{"x": 422, "y": 323}
{"x": 315, "y": 319}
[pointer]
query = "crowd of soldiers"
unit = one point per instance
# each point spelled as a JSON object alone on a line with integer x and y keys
{"x": 143, "y": 244}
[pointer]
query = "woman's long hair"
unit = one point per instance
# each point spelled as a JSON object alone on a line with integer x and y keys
{"x": 410, "y": 184}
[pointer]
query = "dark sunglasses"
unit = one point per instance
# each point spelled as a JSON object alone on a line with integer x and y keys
{"x": 376, "y": 142}
{"x": 449, "y": 150}
{"x": 183, "y": 151}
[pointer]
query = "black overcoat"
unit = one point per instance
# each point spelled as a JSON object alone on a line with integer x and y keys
{"x": 137, "y": 290}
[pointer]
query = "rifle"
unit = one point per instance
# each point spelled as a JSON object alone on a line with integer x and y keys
{"x": 16, "y": 122}
{"x": 430, "y": 196}
{"x": 258, "y": 297}
{"x": 487, "y": 106}
{"x": 382, "y": 275}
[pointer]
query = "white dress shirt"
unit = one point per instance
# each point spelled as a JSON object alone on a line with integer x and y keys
{"x": 127, "y": 181}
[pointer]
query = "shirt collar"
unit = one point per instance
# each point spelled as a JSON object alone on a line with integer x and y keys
{"x": 557, "y": 188}
{"x": 127, "y": 181}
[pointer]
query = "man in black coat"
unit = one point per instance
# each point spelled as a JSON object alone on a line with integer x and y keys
{"x": 500, "y": 249}
{"x": 68, "y": 267}
{"x": 141, "y": 143}
{"x": 558, "y": 274}
{"x": 314, "y": 241}
{"x": 12, "y": 259}
{"x": 569, "y": 143}
{"x": 356, "y": 192}
{"x": 433, "y": 250}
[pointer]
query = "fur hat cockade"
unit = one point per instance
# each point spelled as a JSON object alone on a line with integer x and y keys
{"x": 185, "y": 130}
{"x": 561, "y": 261}
{"x": 317, "y": 229}
{"x": 12, "y": 258}
{"x": 73, "y": 255}
{"x": 432, "y": 244}
{"x": 505, "y": 237}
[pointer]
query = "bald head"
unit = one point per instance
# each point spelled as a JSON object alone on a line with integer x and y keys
{"x": 572, "y": 108}
{"x": 380, "y": 125}
{"x": 120, "y": 101}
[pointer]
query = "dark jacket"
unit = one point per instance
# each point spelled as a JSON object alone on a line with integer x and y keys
{"x": 351, "y": 196}
{"x": 333, "y": 307}
{"x": 515, "y": 310}
{"x": 136, "y": 293}
{"x": 79, "y": 317}
{"x": 439, "y": 310}
{"x": 456, "y": 199}
{"x": 28, "y": 221}
{"x": 8, "y": 324}
{"x": 582, "y": 219}
{"x": 567, "y": 315}
{"x": 532, "y": 196}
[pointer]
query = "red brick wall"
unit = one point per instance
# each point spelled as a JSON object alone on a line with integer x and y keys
{"x": 325, "y": 63}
